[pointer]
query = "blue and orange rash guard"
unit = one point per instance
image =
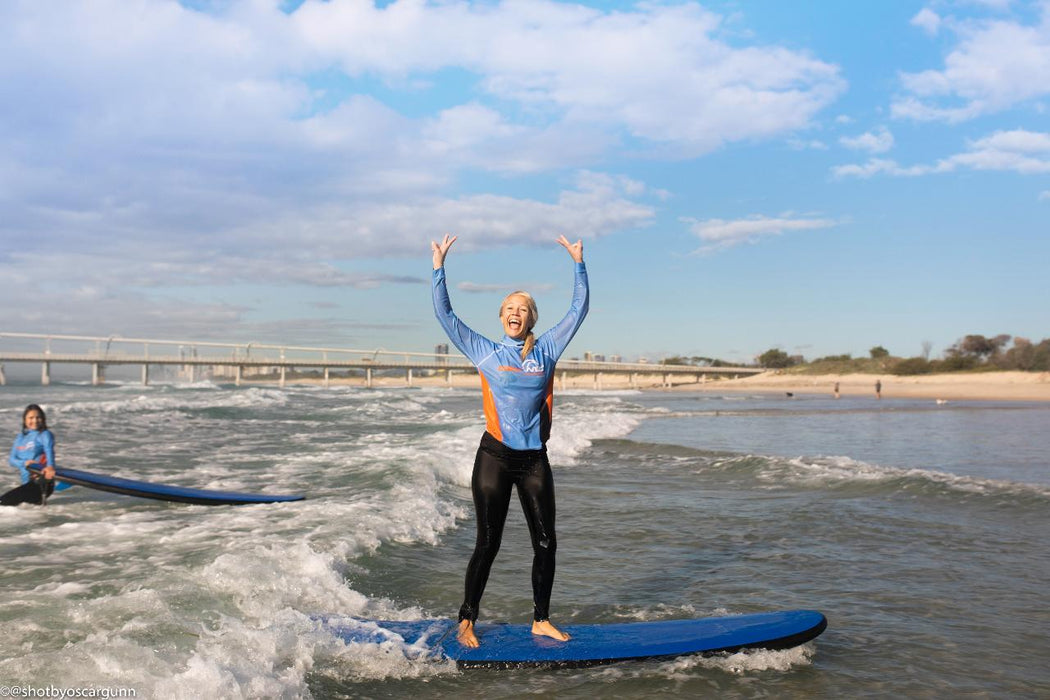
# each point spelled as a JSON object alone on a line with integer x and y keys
{"x": 28, "y": 447}
{"x": 518, "y": 396}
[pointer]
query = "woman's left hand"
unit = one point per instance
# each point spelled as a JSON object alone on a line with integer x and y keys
{"x": 48, "y": 472}
{"x": 575, "y": 249}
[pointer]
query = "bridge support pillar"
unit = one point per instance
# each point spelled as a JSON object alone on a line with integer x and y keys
{"x": 667, "y": 380}
{"x": 283, "y": 371}
{"x": 634, "y": 380}
{"x": 408, "y": 377}
{"x": 448, "y": 377}
{"x": 368, "y": 377}
{"x": 3, "y": 379}
{"x": 561, "y": 381}
{"x": 597, "y": 380}
{"x": 98, "y": 374}
{"x": 237, "y": 375}
{"x": 45, "y": 374}
{"x": 145, "y": 375}
{"x": 326, "y": 382}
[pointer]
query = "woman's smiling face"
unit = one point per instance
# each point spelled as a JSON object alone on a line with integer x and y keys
{"x": 516, "y": 316}
{"x": 33, "y": 420}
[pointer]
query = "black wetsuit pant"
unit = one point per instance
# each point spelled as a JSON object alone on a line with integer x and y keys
{"x": 29, "y": 492}
{"x": 496, "y": 469}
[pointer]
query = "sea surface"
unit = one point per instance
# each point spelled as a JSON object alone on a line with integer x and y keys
{"x": 920, "y": 530}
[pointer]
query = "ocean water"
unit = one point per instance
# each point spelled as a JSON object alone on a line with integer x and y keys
{"x": 920, "y": 530}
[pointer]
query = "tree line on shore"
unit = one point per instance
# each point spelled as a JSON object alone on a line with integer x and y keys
{"x": 978, "y": 352}
{"x": 971, "y": 353}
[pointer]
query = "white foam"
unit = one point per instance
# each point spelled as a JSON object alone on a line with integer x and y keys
{"x": 838, "y": 469}
{"x": 162, "y": 401}
{"x": 574, "y": 431}
{"x": 742, "y": 662}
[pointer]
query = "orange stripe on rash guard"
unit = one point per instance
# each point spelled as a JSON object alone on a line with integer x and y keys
{"x": 550, "y": 397}
{"x": 491, "y": 415}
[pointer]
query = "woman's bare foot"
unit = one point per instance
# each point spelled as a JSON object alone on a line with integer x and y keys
{"x": 544, "y": 628}
{"x": 466, "y": 634}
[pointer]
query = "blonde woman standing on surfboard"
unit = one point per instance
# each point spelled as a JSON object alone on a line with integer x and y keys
{"x": 517, "y": 381}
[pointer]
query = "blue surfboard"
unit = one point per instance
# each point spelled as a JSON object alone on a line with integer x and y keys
{"x": 164, "y": 492}
{"x": 504, "y": 645}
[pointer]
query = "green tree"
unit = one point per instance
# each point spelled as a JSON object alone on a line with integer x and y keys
{"x": 878, "y": 352}
{"x": 774, "y": 358}
{"x": 979, "y": 347}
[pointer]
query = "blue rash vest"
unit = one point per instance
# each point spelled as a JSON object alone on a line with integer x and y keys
{"x": 28, "y": 446}
{"x": 518, "y": 396}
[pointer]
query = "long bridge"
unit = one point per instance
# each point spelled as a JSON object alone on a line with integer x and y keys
{"x": 242, "y": 361}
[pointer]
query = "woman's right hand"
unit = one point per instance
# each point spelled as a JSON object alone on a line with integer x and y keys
{"x": 441, "y": 250}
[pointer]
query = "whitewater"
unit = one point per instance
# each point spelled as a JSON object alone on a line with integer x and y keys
{"x": 918, "y": 529}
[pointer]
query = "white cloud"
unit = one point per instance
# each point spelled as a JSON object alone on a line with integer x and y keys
{"x": 997, "y": 64}
{"x": 996, "y": 5}
{"x": 476, "y": 288}
{"x": 660, "y": 72}
{"x": 292, "y": 248}
{"x": 875, "y": 166}
{"x": 1044, "y": 195}
{"x": 117, "y": 128}
{"x": 720, "y": 234}
{"x": 1020, "y": 151}
{"x": 927, "y": 20}
{"x": 148, "y": 145}
{"x": 802, "y": 145}
{"x": 597, "y": 205}
{"x": 878, "y": 141}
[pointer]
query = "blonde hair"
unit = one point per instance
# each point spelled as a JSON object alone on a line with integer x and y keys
{"x": 534, "y": 315}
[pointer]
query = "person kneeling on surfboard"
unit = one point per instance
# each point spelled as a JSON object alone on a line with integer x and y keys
{"x": 33, "y": 447}
{"x": 517, "y": 382}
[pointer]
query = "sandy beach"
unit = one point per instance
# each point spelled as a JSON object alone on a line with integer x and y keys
{"x": 989, "y": 386}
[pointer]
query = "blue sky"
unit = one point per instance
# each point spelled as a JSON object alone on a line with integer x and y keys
{"x": 820, "y": 177}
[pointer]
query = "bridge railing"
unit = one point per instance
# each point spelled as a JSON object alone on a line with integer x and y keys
{"x": 101, "y": 351}
{"x": 115, "y": 348}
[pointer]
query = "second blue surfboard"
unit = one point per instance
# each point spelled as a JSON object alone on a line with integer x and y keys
{"x": 165, "y": 492}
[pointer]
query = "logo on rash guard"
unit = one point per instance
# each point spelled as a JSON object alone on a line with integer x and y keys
{"x": 531, "y": 366}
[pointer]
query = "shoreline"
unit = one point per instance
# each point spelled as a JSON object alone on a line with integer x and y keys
{"x": 985, "y": 386}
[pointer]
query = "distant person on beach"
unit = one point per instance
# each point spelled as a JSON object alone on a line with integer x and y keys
{"x": 836, "y": 390}
{"x": 878, "y": 388}
{"x": 517, "y": 381}
{"x": 34, "y": 446}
